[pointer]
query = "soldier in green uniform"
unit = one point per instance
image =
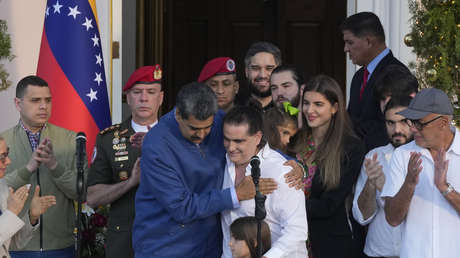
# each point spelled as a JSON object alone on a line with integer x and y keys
{"x": 115, "y": 173}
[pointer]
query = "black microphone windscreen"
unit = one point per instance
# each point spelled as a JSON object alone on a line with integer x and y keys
{"x": 255, "y": 161}
{"x": 81, "y": 136}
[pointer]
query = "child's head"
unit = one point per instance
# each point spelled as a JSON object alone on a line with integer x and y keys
{"x": 243, "y": 242}
{"x": 279, "y": 127}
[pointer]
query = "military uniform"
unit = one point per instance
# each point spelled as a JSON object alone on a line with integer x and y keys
{"x": 113, "y": 163}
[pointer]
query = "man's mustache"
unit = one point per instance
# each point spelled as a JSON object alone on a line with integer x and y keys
{"x": 398, "y": 134}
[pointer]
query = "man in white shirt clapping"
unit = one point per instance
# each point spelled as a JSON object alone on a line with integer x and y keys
{"x": 382, "y": 239}
{"x": 420, "y": 190}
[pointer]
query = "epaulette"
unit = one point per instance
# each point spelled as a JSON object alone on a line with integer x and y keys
{"x": 110, "y": 129}
{"x": 124, "y": 131}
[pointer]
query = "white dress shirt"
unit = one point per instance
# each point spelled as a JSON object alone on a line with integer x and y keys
{"x": 382, "y": 239}
{"x": 13, "y": 231}
{"x": 432, "y": 225}
{"x": 286, "y": 213}
{"x": 141, "y": 128}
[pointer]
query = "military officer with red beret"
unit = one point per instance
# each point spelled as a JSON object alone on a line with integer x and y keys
{"x": 114, "y": 174}
{"x": 220, "y": 75}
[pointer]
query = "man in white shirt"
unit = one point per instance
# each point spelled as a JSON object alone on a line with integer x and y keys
{"x": 285, "y": 207}
{"x": 420, "y": 187}
{"x": 382, "y": 240}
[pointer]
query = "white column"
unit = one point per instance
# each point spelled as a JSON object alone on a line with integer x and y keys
{"x": 116, "y": 63}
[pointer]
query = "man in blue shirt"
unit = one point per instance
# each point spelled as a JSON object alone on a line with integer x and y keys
{"x": 180, "y": 194}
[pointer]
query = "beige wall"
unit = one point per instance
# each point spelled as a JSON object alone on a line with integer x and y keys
{"x": 25, "y": 25}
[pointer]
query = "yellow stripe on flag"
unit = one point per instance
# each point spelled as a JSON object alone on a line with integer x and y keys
{"x": 92, "y": 3}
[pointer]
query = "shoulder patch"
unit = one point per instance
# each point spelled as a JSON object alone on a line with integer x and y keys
{"x": 109, "y": 129}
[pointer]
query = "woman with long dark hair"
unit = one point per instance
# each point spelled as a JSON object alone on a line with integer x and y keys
{"x": 332, "y": 155}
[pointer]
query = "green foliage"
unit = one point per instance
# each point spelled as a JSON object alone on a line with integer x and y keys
{"x": 436, "y": 40}
{"x": 5, "y": 53}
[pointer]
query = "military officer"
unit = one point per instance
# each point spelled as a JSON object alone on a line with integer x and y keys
{"x": 114, "y": 175}
{"x": 220, "y": 75}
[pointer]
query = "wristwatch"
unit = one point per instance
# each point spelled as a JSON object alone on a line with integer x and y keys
{"x": 448, "y": 190}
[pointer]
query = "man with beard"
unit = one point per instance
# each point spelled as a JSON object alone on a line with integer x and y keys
{"x": 260, "y": 61}
{"x": 368, "y": 207}
{"x": 285, "y": 84}
{"x": 114, "y": 175}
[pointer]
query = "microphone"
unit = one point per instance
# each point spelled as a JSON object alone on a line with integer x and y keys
{"x": 255, "y": 170}
{"x": 81, "y": 155}
{"x": 81, "y": 149}
{"x": 260, "y": 211}
{"x": 255, "y": 161}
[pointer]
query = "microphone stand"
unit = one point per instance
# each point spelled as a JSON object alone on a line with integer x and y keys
{"x": 260, "y": 211}
{"x": 80, "y": 191}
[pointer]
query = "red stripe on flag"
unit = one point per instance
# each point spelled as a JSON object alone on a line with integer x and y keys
{"x": 68, "y": 110}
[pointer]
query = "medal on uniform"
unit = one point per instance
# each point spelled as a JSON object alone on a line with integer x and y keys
{"x": 123, "y": 175}
{"x": 122, "y": 158}
{"x": 121, "y": 153}
{"x": 119, "y": 146}
{"x": 115, "y": 141}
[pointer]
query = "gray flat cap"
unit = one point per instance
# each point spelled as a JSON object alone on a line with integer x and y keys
{"x": 427, "y": 101}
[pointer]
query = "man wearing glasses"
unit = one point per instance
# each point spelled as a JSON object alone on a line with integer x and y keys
{"x": 420, "y": 188}
{"x": 17, "y": 231}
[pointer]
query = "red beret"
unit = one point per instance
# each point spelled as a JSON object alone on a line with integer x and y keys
{"x": 217, "y": 66}
{"x": 145, "y": 74}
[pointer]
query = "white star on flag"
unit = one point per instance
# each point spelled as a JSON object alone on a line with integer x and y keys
{"x": 98, "y": 60}
{"x": 47, "y": 11}
{"x": 57, "y": 7}
{"x": 95, "y": 40}
{"x": 73, "y": 12}
{"x": 98, "y": 78}
{"x": 92, "y": 95}
{"x": 87, "y": 23}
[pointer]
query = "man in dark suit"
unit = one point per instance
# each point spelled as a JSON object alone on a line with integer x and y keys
{"x": 365, "y": 44}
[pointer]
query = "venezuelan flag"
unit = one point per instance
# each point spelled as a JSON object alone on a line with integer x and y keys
{"x": 71, "y": 62}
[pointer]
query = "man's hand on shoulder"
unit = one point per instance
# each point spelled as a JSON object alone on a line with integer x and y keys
{"x": 294, "y": 178}
{"x": 267, "y": 185}
{"x": 137, "y": 139}
{"x": 246, "y": 189}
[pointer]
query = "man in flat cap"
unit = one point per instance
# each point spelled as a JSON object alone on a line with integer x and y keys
{"x": 420, "y": 189}
{"x": 220, "y": 75}
{"x": 114, "y": 175}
